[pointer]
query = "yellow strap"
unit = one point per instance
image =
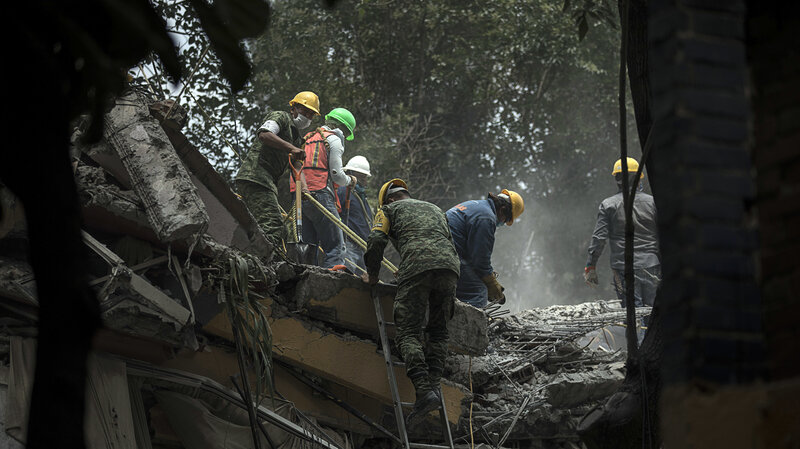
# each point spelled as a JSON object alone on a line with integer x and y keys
{"x": 349, "y": 232}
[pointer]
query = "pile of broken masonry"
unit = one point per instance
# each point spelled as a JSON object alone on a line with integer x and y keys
{"x": 161, "y": 224}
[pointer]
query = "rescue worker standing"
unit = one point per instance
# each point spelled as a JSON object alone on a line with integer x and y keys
{"x": 611, "y": 226}
{"x": 359, "y": 216}
{"x": 322, "y": 172}
{"x": 473, "y": 225}
{"x": 427, "y": 280}
{"x": 264, "y": 165}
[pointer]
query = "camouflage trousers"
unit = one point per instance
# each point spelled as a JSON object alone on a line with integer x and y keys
{"x": 263, "y": 204}
{"x": 431, "y": 292}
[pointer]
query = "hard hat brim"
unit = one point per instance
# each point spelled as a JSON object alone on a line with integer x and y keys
{"x": 310, "y": 108}
{"x": 359, "y": 170}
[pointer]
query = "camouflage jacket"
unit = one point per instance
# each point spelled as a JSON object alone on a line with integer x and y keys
{"x": 264, "y": 165}
{"x": 419, "y": 232}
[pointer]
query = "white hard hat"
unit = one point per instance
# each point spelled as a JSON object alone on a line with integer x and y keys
{"x": 358, "y": 164}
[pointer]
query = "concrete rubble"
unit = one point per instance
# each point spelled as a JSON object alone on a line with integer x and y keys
{"x": 162, "y": 225}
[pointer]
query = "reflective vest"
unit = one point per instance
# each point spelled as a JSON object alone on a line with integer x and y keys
{"x": 315, "y": 167}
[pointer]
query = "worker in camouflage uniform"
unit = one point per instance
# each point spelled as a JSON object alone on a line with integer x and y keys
{"x": 263, "y": 166}
{"x": 427, "y": 280}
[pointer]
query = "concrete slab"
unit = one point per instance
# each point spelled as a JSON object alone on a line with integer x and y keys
{"x": 344, "y": 300}
{"x": 349, "y": 361}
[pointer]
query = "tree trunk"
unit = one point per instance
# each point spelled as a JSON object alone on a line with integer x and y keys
{"x": 629, "y": 418}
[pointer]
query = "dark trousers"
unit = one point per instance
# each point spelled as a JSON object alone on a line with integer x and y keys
{"x": 355, "y": 254}
{"x": 645, "y": 284}
{"x": 320, "y": 230}
{"x": 471, "y": 288}
{"x": 433, "y": 292}
{"x": 262, "y": 201}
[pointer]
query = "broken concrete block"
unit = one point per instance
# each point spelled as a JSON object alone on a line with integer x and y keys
{"x": 571, "y": 389}
{"x": 157, "y": 174}
{"x": 344, "y": 301}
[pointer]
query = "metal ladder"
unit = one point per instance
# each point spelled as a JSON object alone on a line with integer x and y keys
{"x": 398, "y": 405}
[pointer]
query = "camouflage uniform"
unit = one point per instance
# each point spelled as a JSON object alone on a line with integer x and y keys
{"x": 258, "y": 177}
{"x": 427, "y": 277}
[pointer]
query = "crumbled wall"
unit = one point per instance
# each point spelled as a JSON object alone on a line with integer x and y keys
{"x": 158, "y": 176}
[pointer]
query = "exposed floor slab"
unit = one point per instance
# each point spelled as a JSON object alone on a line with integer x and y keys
{"x": 345, "y": 301}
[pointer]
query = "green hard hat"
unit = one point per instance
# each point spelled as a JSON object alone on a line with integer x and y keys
{"x": 344, "y": 116}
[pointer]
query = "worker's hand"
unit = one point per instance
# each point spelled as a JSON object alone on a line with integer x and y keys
{"x": 495, "y": 289}
{"x": 297, "y": 154}
{"x": 354, "y": 180}
{"x": 590, "y": 276}
{"x": 371, "y": 280}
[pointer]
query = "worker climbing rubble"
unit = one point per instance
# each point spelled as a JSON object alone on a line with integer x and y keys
{"x": 322, "y": 172}
{"x": 473, "y": 225}
{"x": 427, "y": 280}
{"x": 611, "y": 226}
{"x": 356, "y": 212}
{"x": 264, "y": 165}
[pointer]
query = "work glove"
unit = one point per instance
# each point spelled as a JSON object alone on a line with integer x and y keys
{"x": 371, "y": 280}
{"x": 495, "y": 289}
{"x": 590, "y": 276}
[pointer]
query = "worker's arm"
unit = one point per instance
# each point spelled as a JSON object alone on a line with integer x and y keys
{"x": 599, "y": 237}
{"x": 376, "y": 243}
{"x": 268, "y": 135}
{"x": 335, "y": 161}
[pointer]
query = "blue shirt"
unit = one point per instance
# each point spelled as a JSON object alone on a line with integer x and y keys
{"x": 360, "y": 218}
{"x": 473, "y": 224}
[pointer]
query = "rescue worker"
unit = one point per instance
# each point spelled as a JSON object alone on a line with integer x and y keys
{"x": 322, "y": 172}
{"x": 359, "y": 216}
{"x": 473, "y": 225}
{"x": 427, "y": 280}
{"x": 611, "y": 226}
{"x": 264, "y": 165}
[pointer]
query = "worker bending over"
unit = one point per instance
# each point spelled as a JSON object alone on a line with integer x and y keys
{"x": 427, "y": 280}
{"x": 263, "y": 166}
{"x": 473, "y": 224}
{"x": 356, "y": 213}
{"x": 611, "y": 226}
{"x": 322, "y": 172}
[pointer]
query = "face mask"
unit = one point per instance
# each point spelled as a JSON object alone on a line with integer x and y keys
{"x": 301, "y": 121}
{"x": 360, "y": 189}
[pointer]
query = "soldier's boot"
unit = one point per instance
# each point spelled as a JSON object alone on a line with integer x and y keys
{"x": 426, "y": 402}
{"x": 426, "y": 397}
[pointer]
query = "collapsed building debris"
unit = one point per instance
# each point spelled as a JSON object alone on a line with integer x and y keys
{"x": 162, "y": 225}
{"x": 543, "y": 370}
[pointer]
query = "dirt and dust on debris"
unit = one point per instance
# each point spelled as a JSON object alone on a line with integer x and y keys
{"x": 543, "y": 370}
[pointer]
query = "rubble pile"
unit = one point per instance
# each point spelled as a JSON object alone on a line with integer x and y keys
{"x": 544, "y": 369}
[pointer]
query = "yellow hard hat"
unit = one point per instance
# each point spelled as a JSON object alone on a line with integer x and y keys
{"x": 517, "y": 204}
{"x": 307, "y": 99}
{"x": 394, "y": 183}
{"x": 633, "y": 166}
